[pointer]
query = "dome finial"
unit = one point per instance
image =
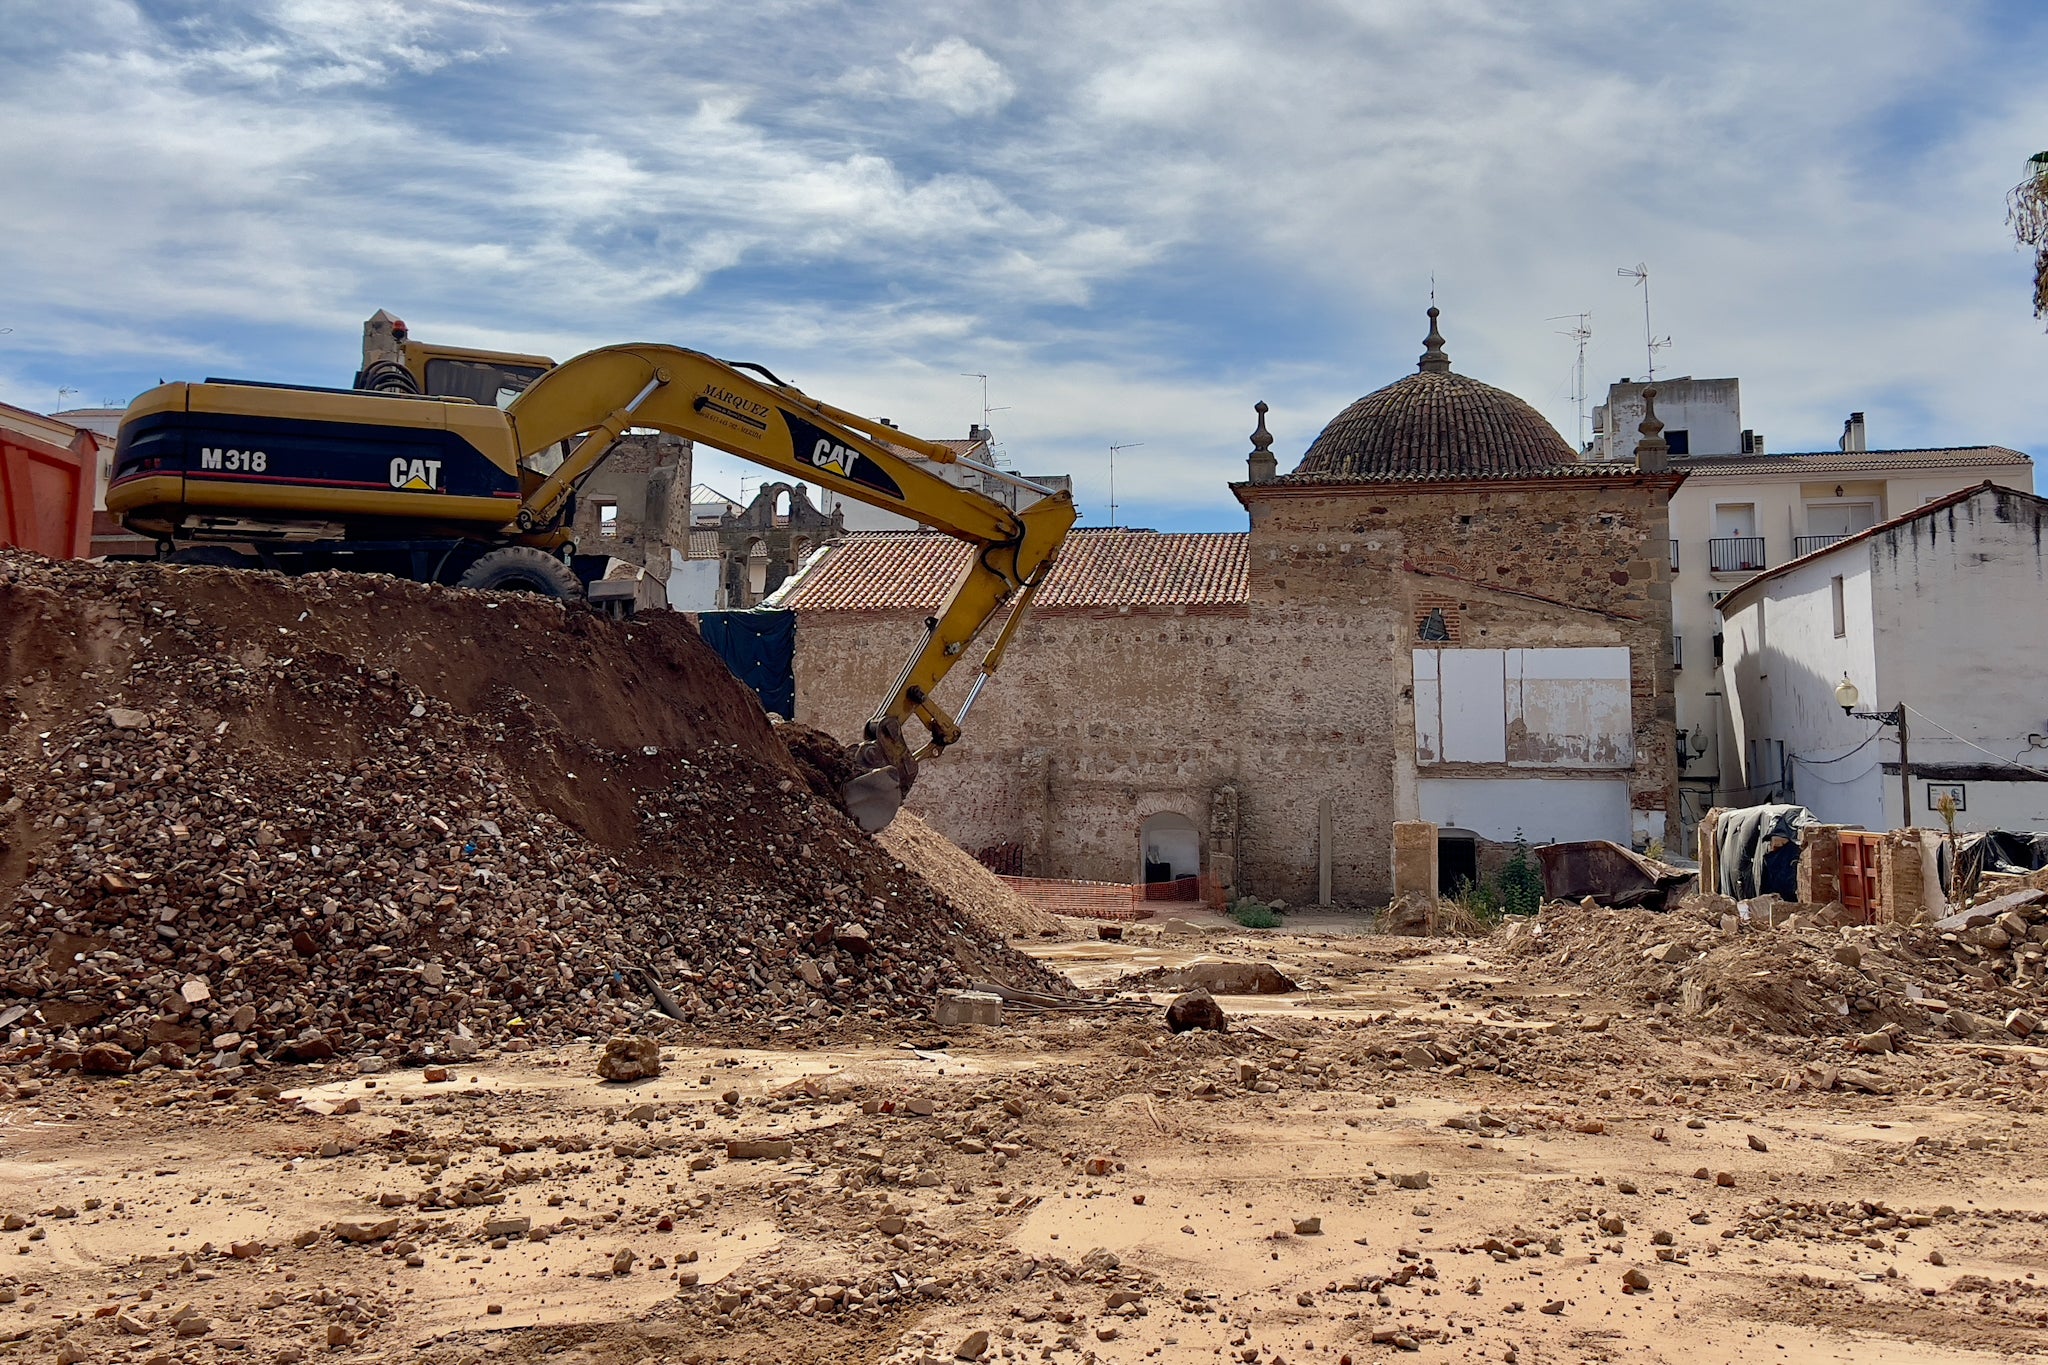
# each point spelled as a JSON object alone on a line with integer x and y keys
{"x": 1653, "y": 452}
{"x": 1434, "y": 361}
{"x": 1261, "y": 463}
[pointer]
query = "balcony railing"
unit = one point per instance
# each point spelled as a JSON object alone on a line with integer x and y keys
{"x": 1806, "y": 545}
{"x": 1735, "y": 554}
{"x": 1674, "y": 556}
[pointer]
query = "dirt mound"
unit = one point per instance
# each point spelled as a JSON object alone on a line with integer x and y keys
{"x": 246, "y": 815}
{"x": 968, "y": 886}
{"x": 1790, "y": 973}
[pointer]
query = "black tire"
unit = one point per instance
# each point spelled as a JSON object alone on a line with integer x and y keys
{"x": 211, "y": 556}
{"x": 521, "y": 568}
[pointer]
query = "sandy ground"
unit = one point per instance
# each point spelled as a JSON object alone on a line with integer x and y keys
{"x": 1504, "y": 1167}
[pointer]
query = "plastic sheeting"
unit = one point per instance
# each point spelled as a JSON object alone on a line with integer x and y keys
{"x": 1751, "y": 860}
{"x": 2011, "y": 853}
{"x": 760, "y": 649}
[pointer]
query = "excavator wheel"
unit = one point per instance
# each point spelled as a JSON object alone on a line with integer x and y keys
{"x": 521, "y": 568}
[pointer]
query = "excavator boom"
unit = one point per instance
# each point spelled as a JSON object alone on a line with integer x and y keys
{"x": 599, "y": 395}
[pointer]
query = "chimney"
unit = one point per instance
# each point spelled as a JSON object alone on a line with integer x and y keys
{"x": 1756, "y": 444}
{"x": 1748, "y": 442}
{"x": 1653, "y": 453}
{"x": 1260, "y": 465}
{"x": 1854, "y": 440}
{"x": 976, "y": 432}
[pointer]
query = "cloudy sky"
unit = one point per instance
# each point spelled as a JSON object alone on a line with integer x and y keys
{"x": 1137, "y": 218}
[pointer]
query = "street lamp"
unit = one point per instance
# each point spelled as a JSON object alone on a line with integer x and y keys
{"x": 1846, "y": 697}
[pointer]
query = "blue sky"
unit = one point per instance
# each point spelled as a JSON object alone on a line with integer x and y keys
{"x": 1137, "y": 218}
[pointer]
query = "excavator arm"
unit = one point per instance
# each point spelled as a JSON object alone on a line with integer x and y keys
{"x": 599, "y": 395}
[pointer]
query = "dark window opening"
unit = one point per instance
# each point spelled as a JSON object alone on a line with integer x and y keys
{"x": 1680, "y": 441}
{"x": 1457, "y": 864}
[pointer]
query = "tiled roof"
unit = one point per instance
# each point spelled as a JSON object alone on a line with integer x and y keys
{"x": 1435, "y": 423}
{"x": 1837, "y": 462}
{"x": 914, "y": 570}
{"x": 703, "y": 544}
{"x": 1578, "y": 469}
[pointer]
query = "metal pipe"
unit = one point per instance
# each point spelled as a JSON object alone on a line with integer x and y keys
{"x": 980, "y": 681}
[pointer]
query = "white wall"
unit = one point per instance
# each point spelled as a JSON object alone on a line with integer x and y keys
{"x": 1543, "y": 810}
{"x": 1948, "y": 613}
{"x": 1961, "y": 598}
{"x": 1535, "y": 708}
{"x": 1782, "y": 665}
{"x": 1781, "y": 501}
{"x": 692, "y": 583}
{"x": 1709, "y": 411}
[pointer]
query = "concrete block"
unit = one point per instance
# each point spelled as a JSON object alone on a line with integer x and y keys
{"x": 957, "y": 1009}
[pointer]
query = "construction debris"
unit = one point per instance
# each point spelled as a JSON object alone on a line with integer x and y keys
{"x": 362, "y": 816}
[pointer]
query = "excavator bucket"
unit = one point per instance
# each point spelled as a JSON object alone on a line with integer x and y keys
{"x": 887, "y": 770}
{"x": 873, "y": 798}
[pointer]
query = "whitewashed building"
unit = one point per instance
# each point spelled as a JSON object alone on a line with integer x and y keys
{"x": 1943, "y": 610}
{"x": 1742, "y": 511}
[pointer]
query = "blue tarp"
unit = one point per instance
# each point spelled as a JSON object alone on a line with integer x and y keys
{"x": 760, "y": 649}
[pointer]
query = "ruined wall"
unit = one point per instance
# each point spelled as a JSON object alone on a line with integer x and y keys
{"x": 1102, "y": 717}
{"x": 646, "y": 480}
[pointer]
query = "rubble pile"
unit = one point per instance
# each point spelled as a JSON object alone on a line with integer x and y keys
{"x": 1790, "y": 969}
{"x": 953, "y": 872}
{"x": 243, "y": 815}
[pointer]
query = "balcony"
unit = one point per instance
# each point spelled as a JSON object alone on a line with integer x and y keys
{"x": 1806, "y": 545}
{"x": 1735, "y": 554}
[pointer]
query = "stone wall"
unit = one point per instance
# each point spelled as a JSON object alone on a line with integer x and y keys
{"x": 647, "y": 479}
{"x": 1103, "y": 716}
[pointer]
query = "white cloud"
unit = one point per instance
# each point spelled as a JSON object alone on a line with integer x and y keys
{"x": 959, "y": 75}
{"x": 1139, "y": 215}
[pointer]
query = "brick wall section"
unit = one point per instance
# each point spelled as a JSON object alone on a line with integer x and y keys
{"x": 1103, "y": 716}
{"x": 1820, "y": 864}
{"x": 1900, "y": 875}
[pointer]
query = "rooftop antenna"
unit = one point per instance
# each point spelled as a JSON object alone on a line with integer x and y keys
{"x": 64, "y": 395}
{"x": 1581, "y": 332}
{"x": 986, "y": 410}
{"x": 1127, "y": 445}
{"x": 1651, "y": 344}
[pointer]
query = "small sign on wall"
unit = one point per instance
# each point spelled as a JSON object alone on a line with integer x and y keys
{"x": 1952, "y": 790}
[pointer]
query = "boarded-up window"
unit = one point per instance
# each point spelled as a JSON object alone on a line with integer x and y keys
{"x": 1529, "y": 708}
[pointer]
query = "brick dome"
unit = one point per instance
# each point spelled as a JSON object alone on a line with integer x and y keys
{"x": 1435, "y": 424}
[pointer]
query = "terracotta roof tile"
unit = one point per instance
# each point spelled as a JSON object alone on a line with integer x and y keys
{"x": 914, "y": 570}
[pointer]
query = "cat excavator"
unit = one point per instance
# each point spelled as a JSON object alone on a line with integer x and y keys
{"x": 447, "y": 488}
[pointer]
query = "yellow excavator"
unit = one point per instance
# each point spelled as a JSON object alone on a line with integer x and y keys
{"x": 453, "y": 488}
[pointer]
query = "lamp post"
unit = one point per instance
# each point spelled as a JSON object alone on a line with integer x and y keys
{"x": 1846, "y": 697}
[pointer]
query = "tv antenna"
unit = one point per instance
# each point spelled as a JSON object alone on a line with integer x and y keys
{"x": 1127, "y": 445}
{"x": 1651, "y": 343}
{"x": 64, "y": 395}
{"x": 1581, "y": 332}
{"x": 995, "y": 454}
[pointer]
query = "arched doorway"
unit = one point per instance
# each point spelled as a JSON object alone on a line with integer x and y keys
{"x": 1170, "y": 848}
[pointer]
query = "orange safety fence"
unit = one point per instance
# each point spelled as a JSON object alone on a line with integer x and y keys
{"x": 1089, "y": 900}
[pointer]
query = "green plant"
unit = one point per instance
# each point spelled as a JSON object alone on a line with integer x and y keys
{"x": 1480, "y": 899}
{"x": 1521, "y": 883}
{"x": 1254, "y": 914}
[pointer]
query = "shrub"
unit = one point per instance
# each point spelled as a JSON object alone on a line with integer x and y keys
{"x": 1254, "y": 914}
{"x": 1521, "y": 881}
